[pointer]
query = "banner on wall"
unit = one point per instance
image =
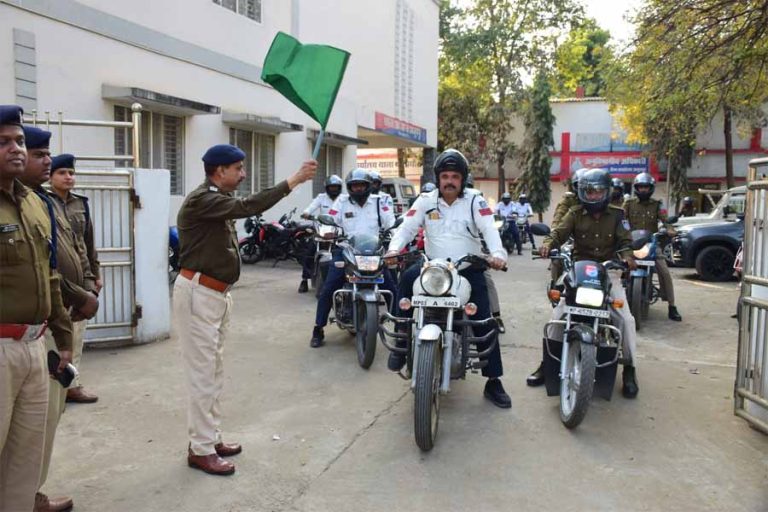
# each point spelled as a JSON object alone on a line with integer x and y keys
{"x": 612, "y": 164}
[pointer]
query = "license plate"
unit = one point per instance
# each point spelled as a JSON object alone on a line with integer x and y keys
{"x": 646, "y": 263}
{"x": 435, "y": 302}
{"x": 597, "y": 313}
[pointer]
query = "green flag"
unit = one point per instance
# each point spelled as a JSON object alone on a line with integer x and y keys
{"x": 308, "y": 75}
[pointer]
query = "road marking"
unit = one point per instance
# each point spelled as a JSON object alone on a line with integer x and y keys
{"x": 715, "y": 286}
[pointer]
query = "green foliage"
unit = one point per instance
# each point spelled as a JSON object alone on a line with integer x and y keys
{"x": 582, "y": 60}
{"x": 536, "y": 159}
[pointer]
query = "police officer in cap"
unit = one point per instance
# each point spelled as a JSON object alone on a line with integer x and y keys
{"x": 30, "y": 303}
{"x": 320, "y": 205}
{"x": 210, "y": 265}
{"x": 453, "y": 222}
{"x": 599, "y": 232}
{"x": 358, "y": 212}
{"x": 644, "y": 212}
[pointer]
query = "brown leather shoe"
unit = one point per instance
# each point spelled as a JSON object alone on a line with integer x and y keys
{"x": 212, "y": 464}
{"x": 228, "y": 449}
{"x": 45, "y": 504}
{"x": 79, "y": 396}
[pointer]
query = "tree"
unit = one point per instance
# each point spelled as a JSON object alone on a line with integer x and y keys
{"x": 692, "y": 59}
{"x": 581, "y": 61}
{"x": 538, "y": 139}
{"x": 496, "y": 43}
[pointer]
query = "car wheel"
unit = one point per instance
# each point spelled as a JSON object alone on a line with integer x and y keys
{"x": 715, "y": 263}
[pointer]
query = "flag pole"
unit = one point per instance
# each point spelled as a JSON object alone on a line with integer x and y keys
{"x": 318, "y": 143}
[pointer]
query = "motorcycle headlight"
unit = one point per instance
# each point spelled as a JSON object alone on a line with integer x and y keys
{"x": 589, "y": 297}
{"x": 368, "y": 263}
{"x": 642, "y": 253}
{"x": 436, "y": 281}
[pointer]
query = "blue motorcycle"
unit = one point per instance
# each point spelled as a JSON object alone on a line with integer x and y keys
{"x": 640, "y": 287}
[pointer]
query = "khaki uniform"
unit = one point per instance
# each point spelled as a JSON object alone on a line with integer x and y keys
{"x": 618, "y": 203}
{"x": 208, "y": 248}
{"x": 77, "y": 212}
{"x": 598, "y": 240}
{"x": 568, "y": 201}
{"x": 30, "y": 295}
{"x": 647, "y": 215}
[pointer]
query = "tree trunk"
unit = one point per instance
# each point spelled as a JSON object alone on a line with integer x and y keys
{"x": 728, "y": 147}
{"x": 500, "y": 169}
{"x": 401, "y": 156}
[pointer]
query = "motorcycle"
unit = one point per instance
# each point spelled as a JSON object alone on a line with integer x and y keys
{"x": 502, "y": 225}
{"x": 585, "y": 362}
{"x": 356, "y": 304}
{"x": 250, "y": 245}
{"x": 641, "y": 290}
{"x": 324, "y": 237}
{"x": 280, "y": 240}
{"x": 565, "y": 250}
{"x": 521, "y": 221}
{"x": 173, "y": 254}
{"x": 438, "y": 338}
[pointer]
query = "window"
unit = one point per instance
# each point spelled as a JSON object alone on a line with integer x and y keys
{"x": 259, "y": 160}
{"x": 248, "y": 8}
{"x": 330, "y": 162}
{"x": 161, "y": 145}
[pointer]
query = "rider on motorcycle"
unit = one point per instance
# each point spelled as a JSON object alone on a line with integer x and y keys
{"x": 643, "y": 212}
{"x": 617, "y": 192}
{"x": 453, "y": 221}
{"x": 319, "y": 205}
{"x": 569, "y": 200}
{"x": 507, "y": 208}
{"x": 525, "y": 211}
{"x": 376, "y": 183}
{"x": 687, "y": 209}
{"x": 356, "y": 212}
{"x": 599, "y": 231}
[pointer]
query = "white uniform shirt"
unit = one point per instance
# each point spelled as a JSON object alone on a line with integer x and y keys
{"x": 356, "y": 220}
{"x": 523, "y": 210}
{"x": 450, "y": 231}
{"x": 506, "y": 210}
{"x": 319, "y": 205}
{"x": 387, "y": 200}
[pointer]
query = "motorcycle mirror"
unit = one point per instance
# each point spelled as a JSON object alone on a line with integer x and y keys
{"x": 540, "y": 229}
{"x": 326, "y": 220}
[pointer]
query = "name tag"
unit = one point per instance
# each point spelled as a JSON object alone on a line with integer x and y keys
{"x": 349, "y": 215}
{"x": 434, "y": 215}
{"x": 8, "y": 228}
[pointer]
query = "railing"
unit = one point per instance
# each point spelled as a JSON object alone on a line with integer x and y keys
{"x": 134, "y": 124}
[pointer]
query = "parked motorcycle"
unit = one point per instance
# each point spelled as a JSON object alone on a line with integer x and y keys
{"x": 250, "y": 245}
{"x": 641, "y": 290}
{"x": 438, "y": 338}
{"x": 356, "y": 304}
{"x": 278, "y": 240}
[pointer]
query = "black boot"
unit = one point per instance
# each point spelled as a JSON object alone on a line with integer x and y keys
{"x": 500, "y": 323}
{"x": 303, "y": 287}
{"x": 317, "y": 337}
{"x": 629, "y": 389}
{"x": 674, "y": 315}
{"x": 494, "y": 392}
{"x": 537, "y": 377}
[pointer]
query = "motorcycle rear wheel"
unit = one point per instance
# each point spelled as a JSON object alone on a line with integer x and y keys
{"x": 426, "y": 410}
{"x": 576, "y": 392}
{"x": 635, "y": 296}
{"x": 366, "y": 331}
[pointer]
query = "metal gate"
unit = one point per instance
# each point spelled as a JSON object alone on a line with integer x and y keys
{"x": 751, "y": 386}
{"x": 112, "y": 200}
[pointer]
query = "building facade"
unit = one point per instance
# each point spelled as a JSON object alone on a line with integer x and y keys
{"x": 195, "y": 67}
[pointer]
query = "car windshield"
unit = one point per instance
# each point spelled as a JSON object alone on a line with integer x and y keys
{"x": 408, "y": 191}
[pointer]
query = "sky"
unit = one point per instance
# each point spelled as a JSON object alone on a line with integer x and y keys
{"x": 609, "y": 15}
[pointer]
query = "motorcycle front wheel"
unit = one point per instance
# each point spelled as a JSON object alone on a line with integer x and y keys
{"x": 426, "y": 411}
{"x": 250, "y": 252}
{"x": 365, "y": 332}
{"x": 576, "y": 391}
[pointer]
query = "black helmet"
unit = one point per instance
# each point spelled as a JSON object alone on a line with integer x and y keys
{"x": 687, "y": 201}
{"x": 506, "y": 198}
{"x": 575, "y": 179}
{"x": 376, "y": 181}
{"x": 452, "y": 160}
{"x": 470, "y": 181}
{"x": 617, "y": 188}
{"x": 428, "y": 187}
{"x": 359, "y": 176}
{"x": 644, "y": 179}
{"x": 333, "y": 186}
{"x": 595, "y": 180}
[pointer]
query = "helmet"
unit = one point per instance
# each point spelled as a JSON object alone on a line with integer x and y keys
{"x": 522, "y": 198}
{"x": 428, "y": 187}
{"x": 617, "y": 188}
{"x": 452, "y": 160}
{"x": 470, "y": 181}
{"x": 376, "y": 181}
{"x": 359, "y": 176}
{"x": 591, "y": 181}
{"x": 687, "y": 201}
{"x": 333, "y": 186}
{"x": 644, "y": 179}
{"x": 575, "y": 179}
{"x": 506, "y": 198}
